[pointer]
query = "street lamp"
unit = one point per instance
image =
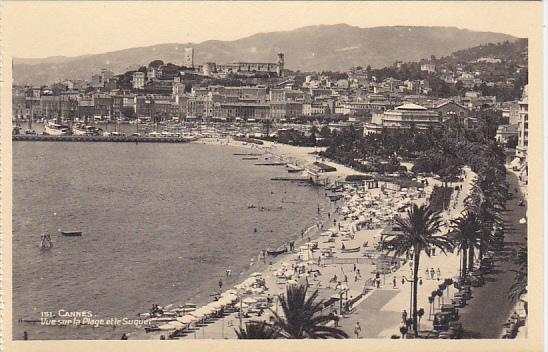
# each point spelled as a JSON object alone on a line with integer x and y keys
{"x": 404, "y": 279}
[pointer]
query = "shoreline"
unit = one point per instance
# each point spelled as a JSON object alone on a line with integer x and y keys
{"x": 311, "y": 232}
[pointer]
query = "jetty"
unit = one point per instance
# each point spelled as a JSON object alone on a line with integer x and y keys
{"x": 293, "y": 179}
{"x": 270, "y": 164}
{"x": 121, "y": 139}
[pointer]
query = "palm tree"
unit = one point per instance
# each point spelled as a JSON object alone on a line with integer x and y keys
{"x": 418, "y": 234}
{"x": 465, "y": 234}
{"x": 257, "y": 330}
{"x": 302, "y": 316}
{"x": 519, "y": 286}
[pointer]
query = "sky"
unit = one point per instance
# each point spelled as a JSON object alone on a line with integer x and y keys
{"x": 43, "y": 29}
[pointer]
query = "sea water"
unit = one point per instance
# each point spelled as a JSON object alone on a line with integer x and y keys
{"x": 161, "y": 224}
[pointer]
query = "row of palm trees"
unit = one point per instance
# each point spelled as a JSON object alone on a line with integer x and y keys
{"x": 420, "y": 234}
{"x": 471, "y": 233}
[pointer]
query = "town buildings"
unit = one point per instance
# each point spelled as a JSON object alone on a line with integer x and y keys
{"x": 523, "y": 127}
{"x": 257, "y": 91}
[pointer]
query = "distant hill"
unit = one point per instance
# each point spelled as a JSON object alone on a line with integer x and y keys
{"x": 313, "y": 48}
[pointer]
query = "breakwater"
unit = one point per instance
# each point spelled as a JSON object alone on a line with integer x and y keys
{"x": 122, "y": 139}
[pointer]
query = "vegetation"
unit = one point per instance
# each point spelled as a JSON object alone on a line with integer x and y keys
{"x": 302, "y": 316}
{"x": 519, "y": 287}
{"x": 465, "y": 235}
{"x": 257, "y": 330}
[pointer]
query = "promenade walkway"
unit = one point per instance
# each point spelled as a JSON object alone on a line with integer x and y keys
{"x": 490, "y": 308}
{"x": 388, "y": 317}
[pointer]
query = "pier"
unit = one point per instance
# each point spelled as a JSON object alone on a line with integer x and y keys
{"x": 122, "y": 139}
{"x": 270, "y": 164}
{"x": 293, "y": 179}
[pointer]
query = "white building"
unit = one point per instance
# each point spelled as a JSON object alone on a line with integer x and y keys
{"x": 523, "y": 127}
{"x": 406, "y": 116}
{"x": 138, "y": 80}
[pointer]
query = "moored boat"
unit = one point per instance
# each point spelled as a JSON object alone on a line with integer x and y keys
{"x": 55, "y": 129}
{"x": 276, "y": 252}
{"x": 82, "y": 130}
{"x": 351, "y": 250}
{"x": 71, "y": 233}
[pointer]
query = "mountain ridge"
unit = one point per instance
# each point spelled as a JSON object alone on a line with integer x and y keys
{"x": 310, "y": 48}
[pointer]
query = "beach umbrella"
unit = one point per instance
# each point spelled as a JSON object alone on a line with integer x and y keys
{"x": 187, "y": 319}
{"x": 176, "y": 324}
{"x": 198, "y": 313}
{"x": 215, "y": 305}
{"x": 249, "y": 300}
{"x": 167, "y": 327}
{"x": 208, "y": 310}
{"x": 226, "y": 300}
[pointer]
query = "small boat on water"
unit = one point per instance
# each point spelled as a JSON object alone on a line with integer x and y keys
{"x": 72, "y": 233}
{"x": 277, "y": 251}
{"x": 45, "y": 242}
{"x": 351, "y": 250}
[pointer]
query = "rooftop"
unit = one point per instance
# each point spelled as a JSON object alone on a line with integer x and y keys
{"x": 410, "y": 106}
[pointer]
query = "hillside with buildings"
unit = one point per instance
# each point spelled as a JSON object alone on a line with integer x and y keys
{"x": 314, "y": 48}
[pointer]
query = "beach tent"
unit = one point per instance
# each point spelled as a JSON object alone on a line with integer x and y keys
{"x": 249, "y": 300}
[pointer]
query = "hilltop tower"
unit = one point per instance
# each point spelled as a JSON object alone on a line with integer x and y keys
{"x": 281, "y": 62}
{"x": 188, "y": 60}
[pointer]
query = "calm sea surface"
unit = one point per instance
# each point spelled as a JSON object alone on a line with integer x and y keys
{"x": 160, "y": 223}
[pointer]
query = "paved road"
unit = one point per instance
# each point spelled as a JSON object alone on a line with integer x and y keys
{"x": 486, "y": 313}
{"x": 372, "y": 318}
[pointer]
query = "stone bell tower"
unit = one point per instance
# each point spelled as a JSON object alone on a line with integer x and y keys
{"x": 281, "y": 62}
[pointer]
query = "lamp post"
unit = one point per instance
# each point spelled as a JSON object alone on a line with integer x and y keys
{"x": 404, "y": 279}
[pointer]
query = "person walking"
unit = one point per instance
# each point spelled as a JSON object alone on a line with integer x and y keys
{"x": 394, "y": 282}
{"x": 404, "y": 317}
{"x": 357, "y": 329}
{"x": 438, "y": 273}
{"x": 432, "y": 273}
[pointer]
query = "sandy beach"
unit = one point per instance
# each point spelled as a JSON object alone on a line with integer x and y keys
{"x": 362, "y": 280}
